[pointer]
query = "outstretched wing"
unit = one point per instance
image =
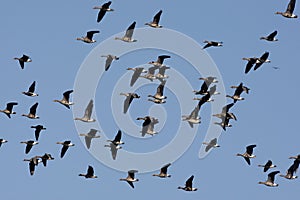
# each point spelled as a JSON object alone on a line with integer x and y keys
{"x": 32, "y": 87}
{"x": 130, "y": 29}
{"x": 156, "y": 18}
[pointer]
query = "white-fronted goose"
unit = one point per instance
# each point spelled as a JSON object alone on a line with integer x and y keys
{"x": 89, "y": 37}
{"x": 130, "y": 178}
{"x": 270, "y": 37}
{"x": 23, "y": 59}
{"x": 114, "y": 150}
{"x": 89, "y": 136}
{"x": 270, "y": 181}
{"x": 211, "y": 144}
{"x": 45, "y": 158}
{"x": 30, "y": 91}
{"x": 263, "y": 59}
{"x": 248, "y": 154}
{"x": 128, "y": 100}
{"x": 38, "y": 129}
{"x": 155, "y": 22}
{"x": 136, "y": 74}
{"x": 194, "y": 117}
{"x": 128, "y": 35}
{"x": 65, "y": 100}
{"x": 289, "y": 11}
{"x": 150, "y": 75}
{"x": 212, "y": 44}
{"x": 225, "y": 112}
{"x": 32, "y": 163}
{"x": 251, "y": 62}
{"x": 159, "y": 92}
{"x": 8, "y": 110}
{"x": 102, "y": 10}
{"x": 117, "y": 140}
{"x": 90, "y": 173}
{"x": 291, "y": 170}
{"x": 109, "y": 59}
{"x": 148, "y": 125}
{"x": 267, "y": 166}
{"x": 189, "y": 185}
{"x": 66, "y": 144}
{"x": 163, "y": 172}
{"x": 29, "y": 145}
{"x": 2, "y": 141}
{"x": 87, "y": 113}
{"x": 236, "y": 96}
{"x": 205, "y": 85}
{"x": 160, "y": 60}
{"x": 32, "y": 112}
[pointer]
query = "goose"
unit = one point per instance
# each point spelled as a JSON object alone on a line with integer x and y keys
{"x": 261, "y": 60}
{"x": 30, "y": 91}
{"x": 224, "y": 123}
{"x": 225, "y": 112}
{"x": 291, "y": 170}
{"x": 23, "y": 59}
{"x": 159, "y": 92}
{"x": 32, "y": 163}
{"x": 87, "y": 113}
{"x": 236, "y": 96}
{"x": 289, "y": 11}
{"x": 270, "y": 37}
{"x": 2, "y": 141}
{"x": 248, "y": 154}
{"x": 128, "y": 35}
{"x": 193, "y": 118}
{"x": 128, "y": 100}
{"x": 150, "y": 75}
{"x": 65, "y": 100}
{"x": 117, "y": 140}
{"x": 267, "y": 166}
{"x": 109, "y": 59}
{"x": 38, "y": 129}
{"x": 36, "y": 160}
{"x": 8, "y": 110}
{"x": 163, "y": 172}
{"x": 89, "y": 37}
{"x": 211, "y": 144}
{"x": 205, "y": 85}
{"x": 148, "y": 125}
{"x": 157, "y": 101}
{"x": 89, "y": 136}
{"x": 155, "y": 22}
{"x": 251, "y": 62}
{"x": 204, "y": 99}
{"x": 29, "y": 145}
{"x": 66, "y": 144}
{"x": 114, "y": 150}
{"x": 270, "y": 181}
{"x": 136, "y": 74}
{"x": 160, "y": 60}
{"x": 130, "y": 178}
{"x": 245, "y": 89}
{"x": 189, "y": 185}
{"x": 32, "y": 112}
{"x": 102, "y": 10}
{"x": 213, "y": 90}
{"x": 90, "y": 173}
{"x": 161, "y": 73}
{"x": 45, "y": 158}
{"x": 212, "y": 44}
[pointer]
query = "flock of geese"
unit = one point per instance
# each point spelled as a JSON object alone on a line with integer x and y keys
{"x": 207, "y": 90}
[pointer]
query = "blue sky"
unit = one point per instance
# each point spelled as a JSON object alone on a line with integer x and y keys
{"x": 48, "y": 32}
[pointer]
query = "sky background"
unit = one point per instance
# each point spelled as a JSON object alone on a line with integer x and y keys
{"x": 47, "y": 32}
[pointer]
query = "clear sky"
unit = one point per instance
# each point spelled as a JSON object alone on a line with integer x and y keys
{"x": 47, "y": 32}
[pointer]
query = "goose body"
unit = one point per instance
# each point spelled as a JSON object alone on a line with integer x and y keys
{"x": 9, "y": 109}
{"x": 193, "y": 118}
{"x": 32, "y": 163}
{"x": 251, "y": 62}
{"x": 2, "y": 141}
{"x": 163, "y": 172}
{"x": 148, "y": 125}
{"x": 128, "y": 35}
{"x": 248, "y": 154}
{"x": 109, "y": 59}
{"x": 117, "y": 140}
{"x": 45, "y": 158}
{"x": 270, "y": 37}
{"x": 160, "y": 60}
{"x": 128, "y": 100}
{"x": 155, "y": 21}
{"x": 150, "y": 75}
{"x": 205, "y": 85}
{"x": 270, "y": 181}
{"x": 236, "y": 96}
{"x": 211, "y": 144}
{"x": 90, "y": 173}
{"x": 263, "y": 59}
{"x": 188, "y": 185}
{"x": 23, "y": 60}
{"x": 66, "y": 145}
{"x": 130, "y": 179}
{"x": 267, "y": 166}
{"x": 136, "y": 74}
{"x": 29, "y": 145}
{"x": 212, "y": 44}
{"x": 289, "y": 11}
{"x": 31, "y": 90}
{"x": 65, "y": 100}
{"x": 102, "y": 10}
{"x": 89, "y": 136}
{"x": 159, "y": 92}
{"x": 89, "y": 37}
{"x": 38, "y": 129}
{"x": 32, "y": 112}
{"x": 87, "y": 113}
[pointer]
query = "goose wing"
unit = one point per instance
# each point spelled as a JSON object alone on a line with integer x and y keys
{"x": 238, "y": 91}
{"x": 63, "y": 151}
{"x": 267, "y": 165}
{"x": 118, "y": 136}
{"x": 249, "y": 66}
{"x": 88, "y": 110}
{"x": 138, "y": 71}
{"x": 156, "y": 18}
{"x": 127, "y": 103}
{"x": 33, "y": 109}
{"x": 272, "y": 35}
{"x": 271, "y": 176}
{"x": 131, "y": 174}
{"x": 31, "y": 167}
{"x": 262, "y": 59}
{"x": 189, "y": 182}
{"x": 291, "y": 6}
{"x": 66, "y": 95}
{"x": 88, "y": 141}
{"x": 28, "y": 148}
{"x": 32, "y": 87}
{"x": 101, "y": 14}
{"x": 247, "y": 160}
{"x": 164, "y": 169}
{"x": 226, "y": 108}
{"x": 161, "y": 58}
{"x": 90, "y": 171}
{"x": 90, "y": 34}
{"x": 130, "y": 29}
{"x": 9, "y": 106}
{"x": 249, "y": 149}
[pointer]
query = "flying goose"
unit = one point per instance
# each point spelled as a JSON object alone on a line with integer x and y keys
{"x": 193, "y": 118}
{"x": 225, "y": 111}
{"x": 117, "y": 140}
{"x": 32, "y": 163}
{"x": 128, "y": 100}
{"x": 32, "y": 112}
{"x": 8, "y": 110}
{"x": 89, "y": 37}
{"x": 224, "y": 123}
{"x": 29, "y": 145}
{"x": 130, "y": 178}
{"x": 30, "y": 91}
{"x": 65, "y": 100}
{"x": 211, "y": 144}
{"x": 109, "y": 59}
{"x": 251, "y": 62}
{"x": 236, "y": 96}
{"x": 90, "y": 173}
{"x": 66, "y": 144}
{"x": 291, "y": 170}
{"x": 159, "y": 92}
{"x": 248, "y": 154}
{"x": 204, "y": 99}
{"x": 23, "y": 59}
{"x": 161, "y": 73}
{"x": 114, "y": 150}
{"x": 160, "y": 60}
{"x": 102, "y": 10}
{"x": 289, "y": 11}
{"x": 205, "y": 85}
{"x": 270, "y": 37}
{"x": 263, "y": 59}
{"x": 89, "y": 136}
{"x": 270, "y": 181}
{"x": 87, "y": 113}
{"x": 155, "y": 22}
{"x": 45, "y": 158}
{"x": 136, "y": 74}
{"x": 128, "y": 35}
{"x": 245, "y": 89}
{"x": 150, "y": 75}
{"x": 148, "y": 125}
{"x": 163, "y": 172}
{"x": 2, "y": 141}
{"x": 267, "y": 166}
{"x": 38, "y": 129}
{"x": 212, "y": 44}
{"x": 188, "y": 185}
